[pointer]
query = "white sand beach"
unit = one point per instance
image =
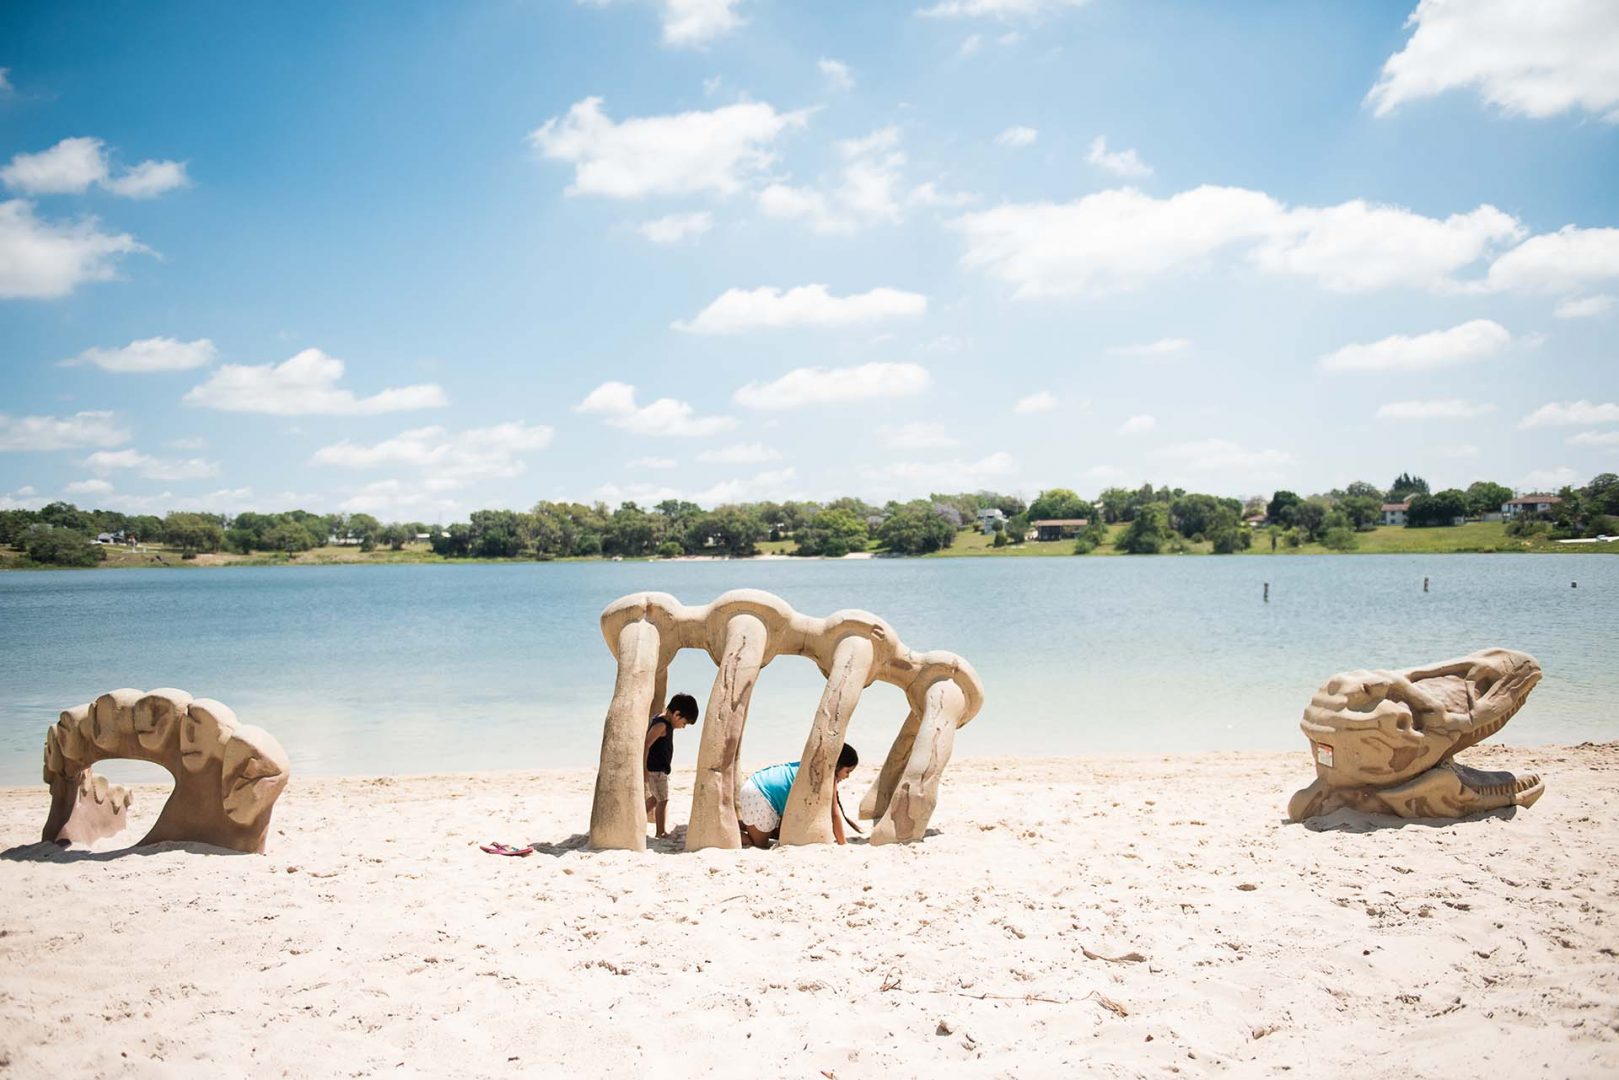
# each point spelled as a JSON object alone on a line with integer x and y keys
{"x": 1140, "y": 915}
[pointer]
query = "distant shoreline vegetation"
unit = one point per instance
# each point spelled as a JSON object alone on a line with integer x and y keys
{"x": 1405, "y": 517}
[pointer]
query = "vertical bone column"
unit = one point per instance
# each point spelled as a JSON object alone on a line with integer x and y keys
{"x": 881, "y": 791}
{"x": 808, "y": 817}
{"x": 618, "y": 814}
{"x": 917, "y": 791}
{"x": 713, "y": 800}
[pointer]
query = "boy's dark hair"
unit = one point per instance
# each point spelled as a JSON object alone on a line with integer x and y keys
{"x": 685, "y": 705}
{"x": 847, "y": 758}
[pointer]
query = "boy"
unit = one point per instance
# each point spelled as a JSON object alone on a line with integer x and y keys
{"x": 660, "y": 755}
{"x": 763, "y": 799}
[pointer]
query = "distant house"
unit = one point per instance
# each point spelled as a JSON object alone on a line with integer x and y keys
{"x": 1058, "y": 528}
{"x": 1528, "y": 504}
{"x": 989, "y": 518}
{"x": 106, "y": 538}
{"x": 1394, "y": 513}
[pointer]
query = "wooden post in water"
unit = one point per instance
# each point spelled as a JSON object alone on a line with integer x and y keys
{"x": 1424, "y": 584}
{"x": 1267, "y": 592}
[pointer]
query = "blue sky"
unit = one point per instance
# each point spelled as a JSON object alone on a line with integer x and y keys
{"x": 418, "y": 259}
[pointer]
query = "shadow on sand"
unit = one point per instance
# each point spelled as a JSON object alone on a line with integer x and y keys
{"x": 1354, "y": 821}
{"x": 47, "y": 852}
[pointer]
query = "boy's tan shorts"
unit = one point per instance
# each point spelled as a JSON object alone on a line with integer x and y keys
{"x": 657, "y": 786}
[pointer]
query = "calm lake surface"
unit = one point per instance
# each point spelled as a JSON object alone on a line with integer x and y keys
{"x": 373, "y": 669}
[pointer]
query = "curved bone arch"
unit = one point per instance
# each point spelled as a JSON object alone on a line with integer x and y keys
{"x": 227, "y": 775}
{"x": 743, "y": 631}
{"x": 1383, "y": 740}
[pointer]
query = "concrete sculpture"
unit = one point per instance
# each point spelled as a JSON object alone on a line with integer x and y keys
{"x": 227, "y": 775}
{"x": 1383, "y": 741}
{"x": 743, "y": 631}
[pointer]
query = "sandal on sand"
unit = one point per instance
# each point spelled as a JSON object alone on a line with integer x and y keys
{"x": 506, "y": 849}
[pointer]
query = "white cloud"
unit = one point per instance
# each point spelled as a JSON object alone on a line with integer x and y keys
{"x": 77, "y": 432}
{"x": 88, "y": 487}
{"x": 149, "y": 354}
{"x": 1441, "y": 409}
{"x": 820, "y": 386}
{"x": 445, "y": 458}
{"x": 1560, "y": 262}
{"x": 936, "y": 475}
{"x": 917, "y": 436}
{"x": 768, "y": 308}
{"x": 1153, "y": 350}
{"x": 868, "y": 189}
{"x": 1104, "y": 473}
{"x": 697, "y": 22}
{"x": 971, "y": 44}
{"x": 1460, "y": 451}
{"x": 41, "y": 260}
{"x": 1571, "y": 414}
{"x": 1121, "y": 238}
{"x": 5, "y": 81}
{"x": 1548, "y": 480}
{"x": 24, "y": 498}
{"x": 683, "y": 154}
{"x": 1433, "y": 351}
{"x": 152, "y": 468}
{"x": 1534, "y": 58}
{"x": 1017, "y": 137}
{"x": 1584, "y": 307}
{"x": 1038, "y": 402}
{"x": 770, "y": 484}
{"x": 1215, "y": 455}
{"x": 1126, "y": 163}
{"x": 393, "y": 499}
{"x": 651, "y": 463}
{"x": 615, "y": 401}
{"x": 673, "y": 228}
{"x": 837, "y": 73}
{"x": 305, "y": 385}
{"x": 73, "y": 165}
{"x": 740, "y": 454}
{"x": 1595, "y": 438}
{"x": 996, "y": 9}
{"x": 1137, "y": 424}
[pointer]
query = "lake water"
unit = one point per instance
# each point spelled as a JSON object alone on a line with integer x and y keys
{"x": 371, "y": 669}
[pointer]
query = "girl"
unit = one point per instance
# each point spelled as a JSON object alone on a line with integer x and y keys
{"x": 763, "y": 799}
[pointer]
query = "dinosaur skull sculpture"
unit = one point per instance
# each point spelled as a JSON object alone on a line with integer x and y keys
{"x": 1383, "y": 741}
{"x": 227, "y": 775}
{"x": 743, "y": 631}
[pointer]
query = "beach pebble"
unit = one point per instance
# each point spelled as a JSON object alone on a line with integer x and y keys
{"x": 944, "y": 1028}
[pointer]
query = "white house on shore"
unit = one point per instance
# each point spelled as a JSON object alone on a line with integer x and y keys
{"x": 1528, "y": 504}
{"x": 1395, "y": 513}
{"x": 988, "y": 518}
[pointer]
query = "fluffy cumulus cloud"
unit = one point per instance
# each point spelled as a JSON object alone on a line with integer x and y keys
{"x": 305, "y": 385}
{"x": 1125, "y": 163}
{"x": 691, "y": 23}
{"x": 80, "y": 431}
{"x": 915, "y": 476}
{"x": 1122, "y": 238}
{"x": 73, "y": 165}
{"x": 837, "y": 74}
{"x": 88, "y": 487}
{"x": 1439, "y": 409}
{"x": 1038, "y": 402}
{"x": 767, "y": 308}
{"x": 771, "y": 484}
{"x": 919, "y": 435}
{"x": 996, "y": 9}
{"x": 150, "y": 468}
{"x": 1217, "y": 455}
{"x": 868, "y": 188}
{"x": 40, "y": 260}
{"x": 1572, "y": 414}
{"x": 1584, "y": 307}
{"x": 1528, "y": 57}
{"x": 740, "y": 454}
{"x": 1438, "y": 349}
{"x": 1137, "y": 425}
{"x": 445, "y": 458}
{"x": 1161, "y": 349}
{"x": 673, "y": 228}
{"x": 149, "y": 354}
{"x": 686, "y": 153}
{"x": 651, "y": 463}
{"x": 397, "y": 500}
{"x": 616, "y": 403}
{"x": 1564, "y": 261}
{"x": 823, "y": 386}
{"x": 1603, "y": 439}
{"x": 1018, "y": 137}
{"x": 1548, "y": 479}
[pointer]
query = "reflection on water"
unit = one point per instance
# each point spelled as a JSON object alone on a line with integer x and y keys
{"x": 430, "y": 668}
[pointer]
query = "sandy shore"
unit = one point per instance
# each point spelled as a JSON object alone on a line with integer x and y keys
{"x": 1119, "y": 916}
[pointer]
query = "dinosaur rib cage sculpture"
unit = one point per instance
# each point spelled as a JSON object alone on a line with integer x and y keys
{"x": 743, "y": 631}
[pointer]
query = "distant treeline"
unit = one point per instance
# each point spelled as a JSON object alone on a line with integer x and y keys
{"x": 1157, "y": 519}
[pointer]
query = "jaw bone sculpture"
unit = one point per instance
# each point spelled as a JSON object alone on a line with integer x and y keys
{"x": 1383, "y": 740}
{"x": 227, "y": 775}
{"x": 743, "y": 631}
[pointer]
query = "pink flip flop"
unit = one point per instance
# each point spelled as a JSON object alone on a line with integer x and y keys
{"x": 506, "y": 849}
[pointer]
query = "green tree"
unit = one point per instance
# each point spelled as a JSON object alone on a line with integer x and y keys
{"x": 631, "y": 532}
{"x": 1059, "y": 503}
{"x": 1148, "y": 532}
{"x": 1363, "y": 512}
{"x": 1406, "y": 485}
{"x": 832, "y": 533}
{"x": 1486, "y": 497}
{"x": 1442, "y": 508}
{"x": 914, "y": 529}
{"x": 55, "y": 545}
{"x": 1601, "y": 495}
{"x": 193, "y": 533}
{"x": 1091, "y": 536}
{"x": 1280, "y": 510}
{"x": 14, "y": 524}
{"x": 453, "y": 542}
{"x": 1227, "y": 532}
{"x": 65, "y": 515}
{"x": 1360, "y": 489}
{"x": 1340, "y": 538}
{"x": 288, "y": 536}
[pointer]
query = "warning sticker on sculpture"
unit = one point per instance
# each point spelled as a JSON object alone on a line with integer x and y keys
{"x": 1323, "y": 754}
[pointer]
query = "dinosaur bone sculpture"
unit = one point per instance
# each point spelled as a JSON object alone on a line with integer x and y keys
{"x": 743, "y": 631}
{"x": 227, "y": 775}
{"x": 1383, "y": 740}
